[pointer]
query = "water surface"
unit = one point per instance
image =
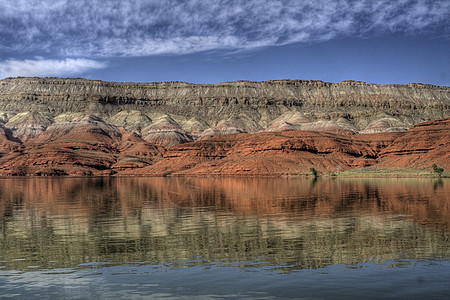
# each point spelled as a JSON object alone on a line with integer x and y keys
{"x": 136, "y": 238}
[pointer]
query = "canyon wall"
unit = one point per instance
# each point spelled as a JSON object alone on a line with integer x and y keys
{"x": 283, "y": 127}
{"x": 231, "y": 107}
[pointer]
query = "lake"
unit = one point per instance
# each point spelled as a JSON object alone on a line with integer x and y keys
{"x": 214, "y": 238}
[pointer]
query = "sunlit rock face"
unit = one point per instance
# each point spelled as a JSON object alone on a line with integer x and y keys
{"x": 131, "y": 120}
{"x": 166, "y": 131}
{"x": 283, "y": 127}
{"x": 27, "y": 125}
{"x": 295, "y": 152}
{"x": 7, "y": 141}
{"x": 30, "y": 105}
{"x": 421, "y": 146}
{"x": 83, "y": 146}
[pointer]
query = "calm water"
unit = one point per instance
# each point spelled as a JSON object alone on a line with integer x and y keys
{"x": 141, "y": 238}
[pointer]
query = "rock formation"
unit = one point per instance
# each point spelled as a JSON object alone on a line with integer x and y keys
{"x": 84, "y": 146}
{"x": 231, "y": 107}
{"x": 419, "y": 147}
{"x": 283, "y": 127}
{"x": 295, "y": 152}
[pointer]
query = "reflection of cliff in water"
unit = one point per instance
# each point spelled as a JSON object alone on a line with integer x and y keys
{"x": 65, "y": 222}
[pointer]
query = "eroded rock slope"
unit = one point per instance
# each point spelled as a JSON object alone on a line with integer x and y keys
{"x": 79, "y": 127}
{"x": 177, "y": 112}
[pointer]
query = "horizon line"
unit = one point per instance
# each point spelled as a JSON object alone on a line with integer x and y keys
{"x": 357, "y": 82}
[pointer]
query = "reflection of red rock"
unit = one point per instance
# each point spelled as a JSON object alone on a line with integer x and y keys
{"x": 88, "y": 145}
{"x": 423, "y": 200}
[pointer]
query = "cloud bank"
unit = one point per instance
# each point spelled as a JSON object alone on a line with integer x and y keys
{"x": 102, "y": 28}
{"x": 47, "y": 67}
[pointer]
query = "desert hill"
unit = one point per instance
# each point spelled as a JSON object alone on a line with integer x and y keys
{"x": 282, "y": 127}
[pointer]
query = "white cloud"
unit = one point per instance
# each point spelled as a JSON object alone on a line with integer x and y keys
{"x": 47, "y": 67}
{"x": 153, "y": 27}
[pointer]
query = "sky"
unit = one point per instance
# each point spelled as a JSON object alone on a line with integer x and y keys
{"x": 212, "y": 41}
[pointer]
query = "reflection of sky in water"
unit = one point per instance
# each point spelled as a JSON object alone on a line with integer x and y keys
{"x": 374, "y": 280}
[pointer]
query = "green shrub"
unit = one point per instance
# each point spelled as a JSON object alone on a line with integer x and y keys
{"x": 313, "y": 171}
{"x": 437, "y": 170}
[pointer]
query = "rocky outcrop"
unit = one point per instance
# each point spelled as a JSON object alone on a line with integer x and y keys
{"x": 27, "y": 125}
{"x": 87, "y": 145}
{"x": 8, "y": 142}
{"x": 83, "y": 146}
{"x": 132, "y": 121}
{"x": 166, "y": 132}
{"x": 421, "y": 146}
{"x": 295, "y": 152}
{"x": 264, "y": 154}
{"x": 29, "y": 105}
{"x": 297, "y": 121}
{"x": 284, "y": 127}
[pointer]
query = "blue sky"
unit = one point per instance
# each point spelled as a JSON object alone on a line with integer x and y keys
{"x": 211, "y": 41}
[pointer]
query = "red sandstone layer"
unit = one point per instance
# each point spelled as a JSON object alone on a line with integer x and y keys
{"x": 92, "y": 147}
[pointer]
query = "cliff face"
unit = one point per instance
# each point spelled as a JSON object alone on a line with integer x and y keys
{"x": 84, "y": 147}
{"x": 90, "y": 146}
{"x": 231, "y": 107}
{"x": 295, "y": 152}
{"x": 78, "y": 126}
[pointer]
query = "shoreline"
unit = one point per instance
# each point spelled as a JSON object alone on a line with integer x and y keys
{"x": 356, "y": 173}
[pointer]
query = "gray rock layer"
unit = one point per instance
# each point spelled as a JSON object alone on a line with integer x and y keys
{"x": 29, "y": 105}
